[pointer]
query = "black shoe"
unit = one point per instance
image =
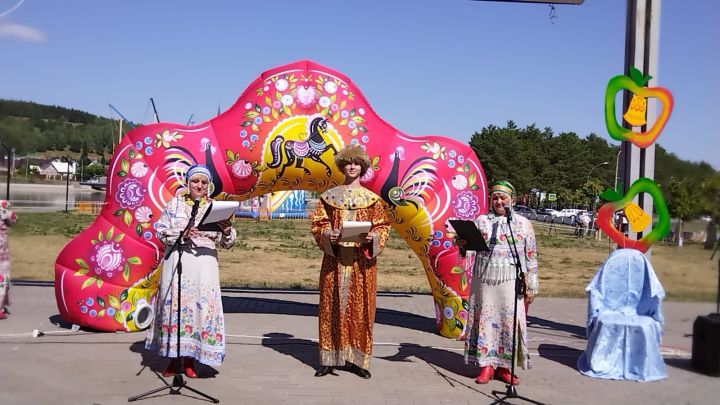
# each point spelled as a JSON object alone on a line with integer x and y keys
{"x": 323, "y": 371}
{"x": 360, "y": 371}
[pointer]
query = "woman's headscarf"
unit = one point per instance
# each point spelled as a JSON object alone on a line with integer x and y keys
{"x": 504, "y": 187}
{"x": 198, "y": 169}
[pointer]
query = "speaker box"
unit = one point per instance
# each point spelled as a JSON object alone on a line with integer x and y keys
{"x": 706, "y": 344}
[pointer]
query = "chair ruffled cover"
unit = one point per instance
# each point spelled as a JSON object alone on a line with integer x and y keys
{"x": 625, "y": 320}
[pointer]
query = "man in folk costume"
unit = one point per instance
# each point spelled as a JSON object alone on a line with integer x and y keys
{"x": 348, "y": 278}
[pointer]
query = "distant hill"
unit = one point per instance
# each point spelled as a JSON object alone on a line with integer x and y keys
{"x": 36, "y": 128}
{"x": 28, "y": 109}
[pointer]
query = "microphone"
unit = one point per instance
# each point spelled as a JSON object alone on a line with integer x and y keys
{"x": 194, "y": 211}
{"x": 508, "y": 212}
{"x": 190, "y": 224}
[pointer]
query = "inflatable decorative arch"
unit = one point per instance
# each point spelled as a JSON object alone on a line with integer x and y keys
{"x": 281, "y": 134}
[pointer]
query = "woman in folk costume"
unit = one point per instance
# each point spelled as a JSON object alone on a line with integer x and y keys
{"x": 202, "y": 328}
{"x": 348, "y": 278}
{"x": 7, "y": 219}
{"x": 489, "y": 329}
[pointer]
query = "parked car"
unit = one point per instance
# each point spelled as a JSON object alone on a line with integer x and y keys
{"x": 547, "y": 211}
{"x": 523, "y": 210}
{"x": 568, "y": 212}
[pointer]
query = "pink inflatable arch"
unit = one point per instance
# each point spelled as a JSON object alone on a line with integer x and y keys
{"x": 281, "y": 134}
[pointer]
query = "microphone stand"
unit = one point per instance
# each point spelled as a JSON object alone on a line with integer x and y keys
{"x": 178, "y": 380}
{"x": 520, "y": 291}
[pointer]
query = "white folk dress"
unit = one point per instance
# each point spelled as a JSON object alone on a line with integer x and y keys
{"x": 492, "y": 290}
{"x": 202, "y": 326}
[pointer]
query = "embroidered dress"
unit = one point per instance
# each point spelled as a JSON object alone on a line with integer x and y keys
{"x": 202, "y": 327}
{"x": 7, "y": 219}
{"x": 492, "y": 290}
{"x": 348, "y": 278}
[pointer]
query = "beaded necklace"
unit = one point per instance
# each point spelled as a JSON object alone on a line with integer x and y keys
{"x": 190, "y": 202}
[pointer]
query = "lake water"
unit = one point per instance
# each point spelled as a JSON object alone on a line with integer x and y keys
{"x": 49, "y": 197}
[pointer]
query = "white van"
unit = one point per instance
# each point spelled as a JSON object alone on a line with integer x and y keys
{"x": 568, "y": 212}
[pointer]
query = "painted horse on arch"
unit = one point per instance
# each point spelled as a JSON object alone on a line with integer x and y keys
{"x": 295, "y": 151}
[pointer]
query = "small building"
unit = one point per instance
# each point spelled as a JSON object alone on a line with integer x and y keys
{"x": 57, "y": 169}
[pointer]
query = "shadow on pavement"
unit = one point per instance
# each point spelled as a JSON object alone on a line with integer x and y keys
{"x": 157, "y": 363}
{"x": 255, "y": 305}
{"x": 303, "y": 350}
{"x": 564, "y": 355}
{"x": 445, "y": 359}
{"x": 439, "y": 360}
{"x": 540, "y": 323}
{"x": 58, "y": 321}
{"x": 683, "y": 364}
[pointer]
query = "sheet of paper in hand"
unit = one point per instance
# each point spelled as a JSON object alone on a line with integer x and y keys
{"x": 468, "y": 231}
{"x": 353, "y": 231}
{"x": 216, "y": 212}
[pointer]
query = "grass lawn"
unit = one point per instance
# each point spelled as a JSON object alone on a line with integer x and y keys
{"x": 282, "y": 254}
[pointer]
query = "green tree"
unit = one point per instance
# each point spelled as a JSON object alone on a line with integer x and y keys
{"x": 681, "y": 205}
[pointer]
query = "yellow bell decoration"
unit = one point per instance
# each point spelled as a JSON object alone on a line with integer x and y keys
{"x": 639, "y": 219}
{"x": 635, "y": 114}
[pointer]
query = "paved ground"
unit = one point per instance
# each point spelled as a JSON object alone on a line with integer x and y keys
{"x": 271, "y": 355}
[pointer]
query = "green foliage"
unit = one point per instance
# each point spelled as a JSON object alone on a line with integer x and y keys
{"x": 710, "y": 197}
{"x": 30, "y": 127}
{"x": 540, "y": 161}
{"x": 536, "y": 160}
{"x": 94, "y": 170}
{"x": 683, "y": 200}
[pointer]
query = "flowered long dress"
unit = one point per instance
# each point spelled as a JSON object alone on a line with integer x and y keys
{"x": 202, "y": 326}
{"x": 348, "y": 279}
{"x": 7, "y": 219}
{"x": 492, "y": 290}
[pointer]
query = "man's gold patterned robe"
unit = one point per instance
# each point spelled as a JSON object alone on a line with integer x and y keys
{"x": 348, "y": 278}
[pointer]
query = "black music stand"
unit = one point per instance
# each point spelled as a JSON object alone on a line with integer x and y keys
{"x": 468, "y": 231}
{"x": 178, "y": 380}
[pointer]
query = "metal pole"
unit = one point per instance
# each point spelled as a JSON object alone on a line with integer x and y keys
{"x": 7, "y": 164}
{"x": 67, "y": 184}
{"x": 157, "y": 119}
{"x": 617, "y": 161}
{"x": 641, "y": 51}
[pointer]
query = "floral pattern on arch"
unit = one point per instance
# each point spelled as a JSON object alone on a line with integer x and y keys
{"x": 281, "y": 134}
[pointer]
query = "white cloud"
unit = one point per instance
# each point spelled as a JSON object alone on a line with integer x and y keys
{"x": 21, "y": 32}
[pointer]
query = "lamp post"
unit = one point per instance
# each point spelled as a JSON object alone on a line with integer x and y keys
{"x": 617, "y": 161}
{"x": 593, "y": 168}
{"x": 588, "y": 180}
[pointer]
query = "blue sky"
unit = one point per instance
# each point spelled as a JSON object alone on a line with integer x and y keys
{"x": 443, "y": 67}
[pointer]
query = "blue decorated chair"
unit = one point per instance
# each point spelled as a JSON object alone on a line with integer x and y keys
{"x": 625, "y": 320}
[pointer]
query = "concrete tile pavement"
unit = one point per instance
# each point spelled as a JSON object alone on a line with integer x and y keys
{"x": 272, "y": 353}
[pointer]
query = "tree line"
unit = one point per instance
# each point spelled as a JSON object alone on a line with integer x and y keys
{"x": 538, "y": 162}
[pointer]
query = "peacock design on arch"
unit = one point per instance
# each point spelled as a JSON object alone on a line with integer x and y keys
{"x": 288, "y": 117}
